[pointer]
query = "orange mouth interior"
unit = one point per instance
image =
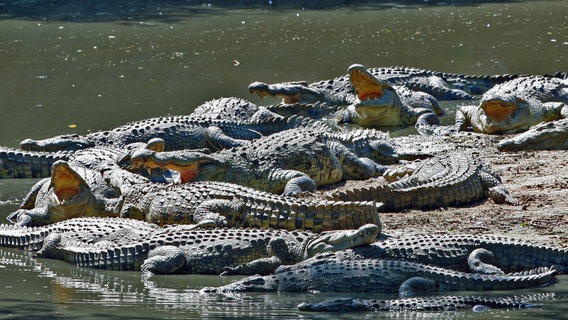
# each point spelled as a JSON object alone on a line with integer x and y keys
{"x": 187, "y": 173}
{"x": 65, "y": 185}
{"x": 366, "y": 88}
{"x": 498, "y": 111}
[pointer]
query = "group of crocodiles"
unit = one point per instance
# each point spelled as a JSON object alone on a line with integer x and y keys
{"x": 240, "y": 189}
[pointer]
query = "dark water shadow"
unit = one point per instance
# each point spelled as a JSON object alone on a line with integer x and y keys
{"x": 175, "y": 10}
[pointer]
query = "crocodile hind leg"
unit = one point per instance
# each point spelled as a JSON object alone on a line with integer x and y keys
{"x": 164, "y": 260}
{"x": 354, "y": 167}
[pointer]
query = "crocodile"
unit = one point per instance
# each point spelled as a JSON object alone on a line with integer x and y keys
{"x": 71, "y": 191}
{"x": 78, "y": 191}
{"x": 88, "y": 230}
{"x": 288, "y": 162}
{"x": 516, "y": 105}
{"x": 431, "y": 303}
{"x": 367, "y": 100}
{"x": 440, "y": 85}
{"x": 485, "y": 254}
{"x": 180, "y": 132}
{"x": 232, "y": 205}
{"x": 341, "y": 113}
{"x": 551, "y": 135}
{"x": 78, "y": 187}
{"x": 323, "y": 274}
{"x": 187, "y": 249}
{"x": 452, "y": 179}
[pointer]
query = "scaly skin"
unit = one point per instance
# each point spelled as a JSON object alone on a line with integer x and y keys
{"x": 179, "y": 132}
{"x": 432, "y": 303}
{"x": 451, "y": 180}
{"x": 79, "y": 188}
{"x": 365, "y": 100}
{"x": 287, "y": 162}
{"x": 544, "y": 136}
{"x": 440, "y": 85}
{"x": 87, "y": 230}
{"x": 16, "y": 164}
{"x": 380, "y": 276}
{"x": 517, "y": 105}
{"x": 485, "y": 254}
{"x": 72, "y": 191}
{"x": 77, "y": 192}
{"x": 187, "y": 249}
{"x": 231, "y": 205}
{"x": 379, "y": 105}
{"x": 235, "y": 109}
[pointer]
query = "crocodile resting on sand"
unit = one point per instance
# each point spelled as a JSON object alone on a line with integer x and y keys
{"x": 430, "y": 303}
{"x": 231, "y": 205}
{"x": 551, "y": 135}
{"x": 368, "y": 101}
{"x": 78, "y": 192}
{"x": 287, "y": 162}
{"x": 516, "y": 105}
{"x": 322, "y": 274}
{"x": 452, "y": 179}
{"x": 187, "y": 249}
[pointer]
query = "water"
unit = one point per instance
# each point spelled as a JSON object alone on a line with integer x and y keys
{"x": 75, "y": 73}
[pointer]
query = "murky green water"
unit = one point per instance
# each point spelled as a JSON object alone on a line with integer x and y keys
{"x": 59, "y": 76}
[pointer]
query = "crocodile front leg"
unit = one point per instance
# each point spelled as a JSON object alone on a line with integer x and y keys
{"x": 217, "y": 137}
{"x": 354, "y": 167}
{"x": 29, "y": 217}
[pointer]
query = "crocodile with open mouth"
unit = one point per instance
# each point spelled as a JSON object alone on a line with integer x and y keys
{"x": 516, "y": 105}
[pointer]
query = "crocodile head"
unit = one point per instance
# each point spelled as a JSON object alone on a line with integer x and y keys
{"x": 342, "y": 239}
{"x": 291, "y": 92}
{"x": 57, "y": 143}
{"x": 504, "y": 113}
{"x": 67, "y": 195}
{"x": 544, "y": 136}
{"x": 377, "y": 99}
{"x": 499, "y": 107}
{"x": 190, "y": 165}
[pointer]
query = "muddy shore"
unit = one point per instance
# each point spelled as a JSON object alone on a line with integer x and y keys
{"x": 537, "y": 179}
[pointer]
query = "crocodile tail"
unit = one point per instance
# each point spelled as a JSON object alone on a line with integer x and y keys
{"x": 23, "y": 238}
{"x": 432, "y": 303}
{"x": 15, "y": 163}
{"x": 519, "y": 280}
{"x": 123, "y": 258}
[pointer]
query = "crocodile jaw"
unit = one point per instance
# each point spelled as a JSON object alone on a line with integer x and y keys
{"x": 498, "y": 110}
{"x": 70, "y": 196}
{"x": 377, "y": 99}
{"x": 66, "y": 183}
{"x": 57, "y": 143}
